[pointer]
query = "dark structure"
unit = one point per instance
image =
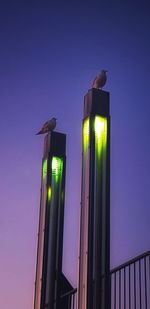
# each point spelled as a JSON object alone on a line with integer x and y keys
{"x": 49, "y": 279}
{"x": 130, "y": 283}
{"x": 94, "y": 256}
{"x": 68, "y": 295}
{"x": 126, "y": 286}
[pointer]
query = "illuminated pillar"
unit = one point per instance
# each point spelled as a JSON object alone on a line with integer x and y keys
{"x": 94, "y": 255}
{"x": 50, "y": 236}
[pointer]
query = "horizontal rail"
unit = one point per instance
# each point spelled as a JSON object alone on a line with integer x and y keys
{"x": 71, "y": 292}
{"x": 129, "y": 262}
{"x": 130, "y": 285}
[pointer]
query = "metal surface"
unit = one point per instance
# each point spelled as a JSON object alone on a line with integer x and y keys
{"x": 69, "y": 300}
{"x": 50, "y": 236}
{"x": 130, "y": 284}
{"x": 93, "y": 282}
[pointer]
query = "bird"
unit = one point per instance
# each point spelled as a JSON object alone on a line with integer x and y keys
{"x": 100, "y": 80}
{"x": 48, "y": 126}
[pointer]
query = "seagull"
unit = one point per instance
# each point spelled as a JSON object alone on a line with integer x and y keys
{"x": 48, "y": 126}
{"x": 100, "y": 80}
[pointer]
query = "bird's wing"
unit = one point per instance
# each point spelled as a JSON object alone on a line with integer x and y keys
{"x": 95, "y": 79}
{"x": 46, "y": 124}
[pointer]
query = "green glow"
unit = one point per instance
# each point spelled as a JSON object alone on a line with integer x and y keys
{"x": 57, "y": 167}
{"x": 86, "y": 134}
{"x": 100, "y": 128}
{"x": 49, "y": 193}
{"x": 44, "y": 168}
{"x": 62, "y": 196}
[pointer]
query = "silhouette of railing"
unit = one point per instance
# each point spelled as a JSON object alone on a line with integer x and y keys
{"x": 69, "y": 300}
{"x": 130, "y": 284}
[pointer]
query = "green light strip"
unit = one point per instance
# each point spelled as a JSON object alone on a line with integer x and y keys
{"x": 44, "y": 168}
{"x": 49, "y": 193}
{"x": 100, "y": 128}
{"x": 57, "y": 167}
{"x": 86, "y": 134}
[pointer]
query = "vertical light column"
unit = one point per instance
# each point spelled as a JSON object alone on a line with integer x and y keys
{"x": 83, "y": 257}
{"x": 93, "y": 282}
{"x": 40, "y": 249}
{"x": 100, "y": 211}
{"x": 51, "y": 221}
{"x": 54, "y": 213}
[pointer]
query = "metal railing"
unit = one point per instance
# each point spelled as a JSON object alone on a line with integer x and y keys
{"x": 69, "y": 300}
{"x": 130, "y": 284}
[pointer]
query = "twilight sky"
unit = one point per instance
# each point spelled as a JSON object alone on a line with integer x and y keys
{"x": 50, "y": 51}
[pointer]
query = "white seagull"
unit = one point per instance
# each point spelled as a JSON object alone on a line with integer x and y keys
{"x": 100, "y": 80}
{"x": 48, "y": 126}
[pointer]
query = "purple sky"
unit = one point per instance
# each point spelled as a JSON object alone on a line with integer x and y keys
{"x": 50, "y": 51}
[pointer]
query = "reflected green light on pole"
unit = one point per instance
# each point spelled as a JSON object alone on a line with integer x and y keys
{"x": 44, "y": 168}
{"x": 49, "y": 193}
{"x": 86, "y": 134}
{"x": 62, "y": 196}
{"x": 100, "y": 128}
{"x": 57, "y": 167}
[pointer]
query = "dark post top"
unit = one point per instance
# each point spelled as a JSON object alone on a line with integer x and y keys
{"x": 96, "y": 101}
{"x": 55, "y": 144}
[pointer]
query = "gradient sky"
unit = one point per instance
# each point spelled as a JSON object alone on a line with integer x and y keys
{"x": 50, "y": 51}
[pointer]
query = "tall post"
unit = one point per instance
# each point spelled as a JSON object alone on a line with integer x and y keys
{"x": 94, "y": 255}
{"x": 51, "y": 220}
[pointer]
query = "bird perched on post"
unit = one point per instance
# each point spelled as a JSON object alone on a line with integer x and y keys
{"x": 100, "y": 80}
{"x": 48, "y": 126}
